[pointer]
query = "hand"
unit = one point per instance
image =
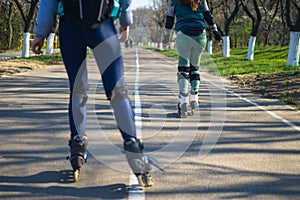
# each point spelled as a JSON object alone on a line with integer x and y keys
{"x": 217, "y": 37}
{"x": 166, "y": 39}
{"x": 37, "y": 43}
{"x": 124, "y": 32}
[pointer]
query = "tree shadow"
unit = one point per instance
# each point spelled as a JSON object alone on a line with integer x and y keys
{"x": 30, "y": 186}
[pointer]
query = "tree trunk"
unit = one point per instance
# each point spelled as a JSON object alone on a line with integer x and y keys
{"x": 226, "y": 46}
{"x": 209, "y": 47}
{"x": 228, "y": 20}
{"x": 27, "y": 18}
{"x": 255, "y": 27}
{"x": 49, "y": 45}
{"x": 10, "y": 27}
{"x": 26, "y": 44}
{"x": 251, "y": 45}
{"x": 294, "y": 49}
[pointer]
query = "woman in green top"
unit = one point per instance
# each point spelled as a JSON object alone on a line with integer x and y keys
{"x": 191, "y": 18}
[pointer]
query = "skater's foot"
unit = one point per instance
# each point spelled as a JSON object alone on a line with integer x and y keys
{"x": 194, "y": 105}
{"x": 78, "y": 154}
{"x": 183, "y": 105}
{"x": 138, "y": 162}
{"x": 145, "y": 180}
{"x": 182, "y": 110}
{"x": 193, "y": 101}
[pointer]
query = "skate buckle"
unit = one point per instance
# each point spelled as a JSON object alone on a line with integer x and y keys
{"x": 86, "y": 157}
{"x": 154, "y": 162}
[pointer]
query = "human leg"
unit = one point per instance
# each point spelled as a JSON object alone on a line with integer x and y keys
{"x": 107, "y": 52}
{"x": 195, "y": 83}
{"x": 109, "y": 59}
{"x": 184, "y": 51}
{"x": 197, "y": 50}
{"x": 74, "y": 54}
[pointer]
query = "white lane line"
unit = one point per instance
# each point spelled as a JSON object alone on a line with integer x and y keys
{"x": 274, "y": 115}
{"x": 291, "y": 124}
{"x": 135, "y": 191}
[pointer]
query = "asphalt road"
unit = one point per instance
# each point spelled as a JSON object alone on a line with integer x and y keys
{"x": 236, "y": 146}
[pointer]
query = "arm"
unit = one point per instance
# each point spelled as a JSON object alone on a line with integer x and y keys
{"x": 125, "y": 19}
{"x": 210, "y": 21}
{"x": 169, "y": 22}
{"x": 44, "y": 23}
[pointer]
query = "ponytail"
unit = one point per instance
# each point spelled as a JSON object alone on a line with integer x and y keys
{"x": 193, "y": 3}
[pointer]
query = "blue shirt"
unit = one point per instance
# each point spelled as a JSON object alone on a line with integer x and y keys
{"x": 47, "y": 17}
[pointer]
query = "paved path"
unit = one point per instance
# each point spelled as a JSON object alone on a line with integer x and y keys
{"x": 18, "y": 54}
{"x": 237, "y": 146}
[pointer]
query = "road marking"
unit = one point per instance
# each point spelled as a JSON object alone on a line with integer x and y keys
{"x": 135, "y": 191}
{"x": 291, "y": 124}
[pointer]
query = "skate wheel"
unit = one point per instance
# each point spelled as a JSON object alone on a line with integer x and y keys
{"x": 76, "y": 175}
{"x": 145, "y": 180}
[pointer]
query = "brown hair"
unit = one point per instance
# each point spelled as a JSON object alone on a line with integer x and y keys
{"x": 193, "y": 3}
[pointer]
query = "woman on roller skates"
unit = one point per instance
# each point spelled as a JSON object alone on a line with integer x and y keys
{"x": 190, "y": 31}
{"x": 82, "y": 25}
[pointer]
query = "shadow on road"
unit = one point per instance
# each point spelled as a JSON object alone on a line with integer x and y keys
{"x": 15, "y": 187}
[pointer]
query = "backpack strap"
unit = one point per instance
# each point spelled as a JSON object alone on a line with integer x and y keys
{"x": 116, "y": 10}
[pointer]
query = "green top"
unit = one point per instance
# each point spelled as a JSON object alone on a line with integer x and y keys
{"x": 187, "y": 17}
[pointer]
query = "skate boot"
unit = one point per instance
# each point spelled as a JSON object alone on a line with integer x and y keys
{"x": 193, "y": 101}
{"x": 78, "y": 154}
{"x": 138, "y": 162}
{"x": 183, "y": 106}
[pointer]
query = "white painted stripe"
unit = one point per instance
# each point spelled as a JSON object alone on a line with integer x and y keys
{"x": 135, "y": 191}
{"x": 291, "y": 124}
{"x": 137, "y": 100}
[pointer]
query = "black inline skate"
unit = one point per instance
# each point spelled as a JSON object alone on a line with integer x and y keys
{"x": 78, "y": 154}
{"x": 139, "y": 163}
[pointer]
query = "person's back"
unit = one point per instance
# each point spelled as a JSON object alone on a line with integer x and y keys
{"x": 186, "y": 17}
{"x": 190, "y": 27}
{"x": 98, "y": 32}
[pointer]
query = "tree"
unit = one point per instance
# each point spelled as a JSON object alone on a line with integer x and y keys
{"x": 270, "y": 9}
{"x": 28, "y": 10}
{"x": 212, "y": 7}
{"x": 255, "y": 25}
{"x": 160, "y": 8}
{"x": 140, "y": 29}
{"x": 10, "y": 23}
{"x": 229, "y": 15}
{"x": 51, "y": 37}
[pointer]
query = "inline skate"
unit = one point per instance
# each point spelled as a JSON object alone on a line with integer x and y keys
{"x": 78, "y": 154}
{"x": 139, "y": 163}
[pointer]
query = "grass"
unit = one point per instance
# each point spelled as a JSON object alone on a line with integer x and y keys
{"x": 48, "y": 59}
{"x": 267, "y": 60}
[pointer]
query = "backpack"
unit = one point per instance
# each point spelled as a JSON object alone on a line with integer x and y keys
{"x": 89, "y": 14}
